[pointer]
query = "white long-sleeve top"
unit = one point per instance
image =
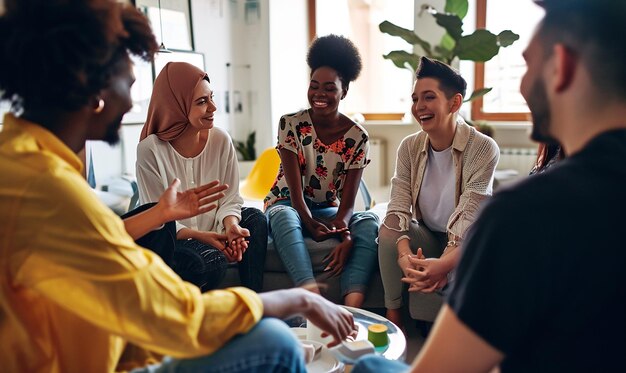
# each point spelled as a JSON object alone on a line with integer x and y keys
{"x": 158, "y": 164}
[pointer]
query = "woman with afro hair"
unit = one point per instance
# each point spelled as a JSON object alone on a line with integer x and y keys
{"x": 323, "y": 154}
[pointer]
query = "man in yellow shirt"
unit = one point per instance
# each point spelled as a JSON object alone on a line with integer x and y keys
{"x": 75, "y": 288}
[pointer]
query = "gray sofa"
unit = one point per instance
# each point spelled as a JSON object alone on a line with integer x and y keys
{"x": 276, "y": 276}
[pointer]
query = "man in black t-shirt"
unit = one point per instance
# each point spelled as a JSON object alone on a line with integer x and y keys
{"x": 541, "y": 285}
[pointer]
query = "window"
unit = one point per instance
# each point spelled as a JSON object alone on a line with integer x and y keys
{"x": 505, "y": 70}
{"x": 382, "y": 91}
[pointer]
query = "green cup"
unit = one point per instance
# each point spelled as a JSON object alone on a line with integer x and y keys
{"x": 377, "y": 334}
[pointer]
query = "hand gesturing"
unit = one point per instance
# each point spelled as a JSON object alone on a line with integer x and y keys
{"x": 182, "y": 205}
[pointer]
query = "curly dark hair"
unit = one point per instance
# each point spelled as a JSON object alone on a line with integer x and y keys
{"x": 450, "y": 81}
{"x": 338, "y": 53}
{"x": 60, "y": 53}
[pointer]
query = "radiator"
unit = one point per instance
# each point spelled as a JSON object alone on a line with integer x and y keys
{"x": 374, "y": 173}
{"x": 518, "y": 159}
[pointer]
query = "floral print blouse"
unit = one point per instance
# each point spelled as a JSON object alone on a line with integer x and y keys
{"x": 323, "y": 166}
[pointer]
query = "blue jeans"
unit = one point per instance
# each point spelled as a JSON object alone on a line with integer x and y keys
{"x": 269, "y": 347}
{"x": 288, "y": 234}
{"x": 378, "y": 364}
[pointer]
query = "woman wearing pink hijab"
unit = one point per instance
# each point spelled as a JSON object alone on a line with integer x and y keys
{"x": 179, "y": 140}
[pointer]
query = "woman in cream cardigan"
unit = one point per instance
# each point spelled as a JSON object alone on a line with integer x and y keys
{"x": 442, "y": 174}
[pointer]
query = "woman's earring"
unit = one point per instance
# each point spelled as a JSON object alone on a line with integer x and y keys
{"x": 100, "y": 107}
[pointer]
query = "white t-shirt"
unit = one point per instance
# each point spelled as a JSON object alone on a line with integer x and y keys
{"x": 158, "y": 164}
{"x": 436, "y": 196}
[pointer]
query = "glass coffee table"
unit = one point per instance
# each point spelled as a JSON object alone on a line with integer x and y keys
{"x": 396, "y": 349}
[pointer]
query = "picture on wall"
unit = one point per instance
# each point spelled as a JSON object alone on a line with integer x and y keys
{"x": 194, "y": 58}
{"x": 237, "y": 102}
{"x": 170, "y": 28}
{"x": 170, "y": 20}
{"x": 140, "y": 91}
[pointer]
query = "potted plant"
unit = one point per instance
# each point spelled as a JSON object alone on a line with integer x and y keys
{"x": 479, "y": 46}
{"x": 246, "y": 154}
{"x": 483, "y": 127}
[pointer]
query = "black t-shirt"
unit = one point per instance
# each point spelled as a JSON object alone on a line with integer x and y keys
{"x": 543, "y": 273}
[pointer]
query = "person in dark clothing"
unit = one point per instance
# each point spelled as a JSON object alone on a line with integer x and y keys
{"x": 551, "y": 300}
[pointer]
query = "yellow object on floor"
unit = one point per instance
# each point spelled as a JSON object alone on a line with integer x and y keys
{"x": 263, "y": 174}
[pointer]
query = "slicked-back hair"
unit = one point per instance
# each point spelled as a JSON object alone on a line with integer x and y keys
{"x": 591, "y": 29}
{"x": 338, "y": 53}
{"x": 60, "y": 53}
{"x": 450, "y": 81}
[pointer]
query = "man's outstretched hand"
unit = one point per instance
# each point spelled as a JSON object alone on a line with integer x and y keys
{"x": 329, "y": 317}
{"x": 177, "y": 205}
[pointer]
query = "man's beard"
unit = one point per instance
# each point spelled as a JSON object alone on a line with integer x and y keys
{"x": 540, "y": 111}
{"x": 112, "y": 135}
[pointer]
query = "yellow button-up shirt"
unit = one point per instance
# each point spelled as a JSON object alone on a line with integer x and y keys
{"x": 75, "y": 288}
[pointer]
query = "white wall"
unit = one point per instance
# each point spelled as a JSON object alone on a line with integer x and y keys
{"x": 212, "y": 37}
{"x": 289, "y": 42}
{"x": 229, "y": 34}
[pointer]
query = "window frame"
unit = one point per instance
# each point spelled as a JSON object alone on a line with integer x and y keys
{"x": 479, "y": 81}
{"x": 312, "y": 19}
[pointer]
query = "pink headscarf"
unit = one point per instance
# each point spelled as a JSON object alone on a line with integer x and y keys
{"x": 171, "y": 100}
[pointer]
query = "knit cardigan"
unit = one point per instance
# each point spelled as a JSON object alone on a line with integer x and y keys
{"x": 475, "y": 157}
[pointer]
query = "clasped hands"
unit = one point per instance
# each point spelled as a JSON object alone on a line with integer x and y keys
{"x": 236, "y": 242}
{"x": 320, "y": 231}
{"x": 423, "y": 274}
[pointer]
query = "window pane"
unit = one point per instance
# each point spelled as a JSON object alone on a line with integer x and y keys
{"x": 382, "y": 87}
{"x": 505, "y": 70}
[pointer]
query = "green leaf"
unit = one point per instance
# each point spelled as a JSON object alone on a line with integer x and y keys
{"x": 402, "y": 59}
{"x": 250, "y": 145}
{"x": 506, "y": 38}
{"x": 478, "y": 93}
{"x": 443, "y": 54}
{"x": 247, "y": 151}
{"x": 408, "y": 35}
{"x": 452, "y": 23}
{"x": 447, "y": 42}
{"x": 458, "y": 7}
{"x": 480, "y": 46}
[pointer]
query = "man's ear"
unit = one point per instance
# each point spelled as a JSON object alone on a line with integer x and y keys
{"x": 457, "y": 101}
{"x": 565, "y": 64}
